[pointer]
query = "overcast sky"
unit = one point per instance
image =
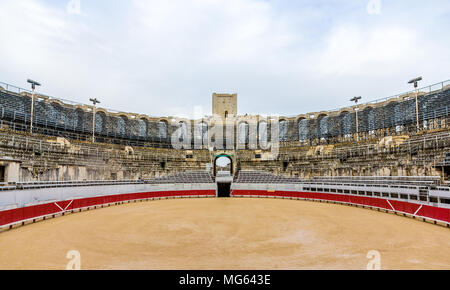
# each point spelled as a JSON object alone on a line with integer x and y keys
{"x": 167, "y": 57}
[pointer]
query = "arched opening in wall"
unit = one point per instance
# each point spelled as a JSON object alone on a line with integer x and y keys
{"x": 398, "y": 118}
{"x": 162, "y": 130}
{"x": 100, "y": 122}
{"x": 302, "y": 129}
{"x": 2, "y": 173}
{"x": 223, "y": 164}
{"x": 52, "y": 115}
{"x": 262, "y": 134}
{"x": 346, "y": 124}
{"x": 182, "y": 131}
{"x": 285, "y": 165}
{"x": 367, "y": 122}
{"x": 322, "y": 128}
{"x": 121, "y": 129}
{"x": 142, "y": 128}
{"x": 223, "y": 167}
{"x": 79, "y": 120}
{"x": 243, "y": 135}
{"x": 201, "y": 134}
{"x": 446, "y": 172}
{"x": 282, "y": 130}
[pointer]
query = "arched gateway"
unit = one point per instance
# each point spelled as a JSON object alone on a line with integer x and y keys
{"x": 223, "y": 178}
{"x": 223, "y": 156}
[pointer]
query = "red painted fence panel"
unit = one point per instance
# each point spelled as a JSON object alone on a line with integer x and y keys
{"x": 26, "y": 213}
{"x": 431, "y": 212}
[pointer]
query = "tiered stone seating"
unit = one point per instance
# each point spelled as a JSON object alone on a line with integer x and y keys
{"x": 446, "y": 161}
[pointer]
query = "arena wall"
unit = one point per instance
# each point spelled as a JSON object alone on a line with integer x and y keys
{"x": 392, "y": 116}
{"x": 134, "y": 146}
{"x": 20, "y": 206}
{"x": 417, "y": 209}
{"x": 27, "y": 206}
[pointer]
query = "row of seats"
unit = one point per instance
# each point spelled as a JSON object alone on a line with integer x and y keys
{"x": 397, "y": 180}
{"x": 446, "y": 161}
{"x": 382, "y": 181}
{"x": 184, "y": 177}
{"x": 188, "y": 177}
{"x": 262, "y": 177}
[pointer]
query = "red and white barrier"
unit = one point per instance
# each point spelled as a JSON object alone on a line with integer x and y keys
{"x": 20, "y": 215}
{"x": 30, "y": 213}
{"x": 418, "y": 210}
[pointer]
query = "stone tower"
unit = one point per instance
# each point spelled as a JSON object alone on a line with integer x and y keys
{"x": 224, "y": 105}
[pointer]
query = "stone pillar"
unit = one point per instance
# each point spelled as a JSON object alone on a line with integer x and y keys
{"x": 12, "y": 170}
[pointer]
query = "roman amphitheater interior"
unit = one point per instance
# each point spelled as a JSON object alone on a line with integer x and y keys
{"x": 379, "y": 138}
{"x": 390, "y": 155}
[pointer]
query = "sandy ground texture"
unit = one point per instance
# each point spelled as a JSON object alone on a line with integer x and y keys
{"x": 227, "y": 234}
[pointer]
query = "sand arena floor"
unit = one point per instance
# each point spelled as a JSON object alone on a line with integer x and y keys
{"x": 227, "y": 234}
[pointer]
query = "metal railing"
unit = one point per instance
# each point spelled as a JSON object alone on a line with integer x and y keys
{"x": 186, "y": 177}
{"x": 424, "y": 90}
{"x": 16, "y": 89}
{"x": 427, "y": 89}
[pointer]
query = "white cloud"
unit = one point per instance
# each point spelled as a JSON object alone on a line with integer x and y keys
{"x": 166, "y": 57}
{"x": 373, "y": 7}
{"x": 352, "y": 50}
{"x": 74, "y": 7}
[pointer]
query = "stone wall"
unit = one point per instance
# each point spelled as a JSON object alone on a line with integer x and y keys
{"x": 27, "y": 158}
{"x": 132, "y": 146}
{"x": 395, "y": 116}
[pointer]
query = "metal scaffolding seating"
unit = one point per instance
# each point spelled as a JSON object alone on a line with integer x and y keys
{"x": 183, "y": 177}
{"x": 263, "y": 177}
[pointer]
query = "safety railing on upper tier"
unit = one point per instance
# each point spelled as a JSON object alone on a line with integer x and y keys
{"x": 424, "y": 90}
{"x": 184, "y": 177}
{"x": 18, "y": 124}
{"x": 407, "y": 188}
{"x": 427, "y": 89}
{"x": 251, "y": 176}
{"x": 19, "y": 121}
{"x": 16, "y": 89}
{"x": 395, "y": 180}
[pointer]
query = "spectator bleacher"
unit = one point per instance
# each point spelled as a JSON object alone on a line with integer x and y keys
{"x": 266, "y": 177}
{"x": 183, "y": 177}
{"x": 446, "y": 161}
{"x": 262, "y": 177}
{"x": 399, "y": 180}
{"x": 188, "y": 177}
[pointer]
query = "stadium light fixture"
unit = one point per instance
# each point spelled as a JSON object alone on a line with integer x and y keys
{"x": 95, "y": 102}
{"x": 415, "y": 82}
{"x": 33, "y": 87}
{"x": 356, "y": 99}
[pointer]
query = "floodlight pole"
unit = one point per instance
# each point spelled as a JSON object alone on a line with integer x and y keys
{"x": 33, "y": 87}
{"x": 415, "y": 81}
{"x": 356, "y": 99}
{"x": 95, "y": 102}
{"x": 32, "y": 108}
{"x": 417, "y": 106}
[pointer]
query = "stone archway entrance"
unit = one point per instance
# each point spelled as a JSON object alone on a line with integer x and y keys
{"x": 221, "y": 156}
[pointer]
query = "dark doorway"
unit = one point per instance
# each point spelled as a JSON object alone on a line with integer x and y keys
{"x": 2, "y": 173}
{"x": 446, "y": 172}
{"x": 223, "y": 189}
{"x": 285, "y": 165}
